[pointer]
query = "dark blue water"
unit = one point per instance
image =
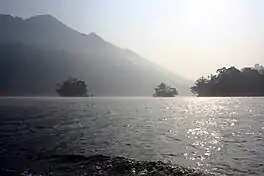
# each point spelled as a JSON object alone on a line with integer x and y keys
{"x": 132, "y": 136}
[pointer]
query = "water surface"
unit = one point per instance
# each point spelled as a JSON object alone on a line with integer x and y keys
{"x": 217, "y": 135}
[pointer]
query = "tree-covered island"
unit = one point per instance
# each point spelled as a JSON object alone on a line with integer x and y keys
{"x": 231, "y": 81}
{"x": 164, "y": 90}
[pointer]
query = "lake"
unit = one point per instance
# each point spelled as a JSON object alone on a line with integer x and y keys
{"x": 133, "y": 136}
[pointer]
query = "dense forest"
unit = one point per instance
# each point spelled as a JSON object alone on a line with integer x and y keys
{"x": 231, "y": 81}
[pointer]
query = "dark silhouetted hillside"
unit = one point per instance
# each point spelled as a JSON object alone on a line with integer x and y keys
{"x": 232, "y": 82}
{"x": 38, "y": 52}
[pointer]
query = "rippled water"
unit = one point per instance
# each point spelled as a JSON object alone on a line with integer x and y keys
{"x": 216, "y": 135}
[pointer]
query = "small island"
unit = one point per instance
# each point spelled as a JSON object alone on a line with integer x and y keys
{"x": 72, "y": 87}
{"x": 231, "y": 82}
{"x": 163, "y": 90}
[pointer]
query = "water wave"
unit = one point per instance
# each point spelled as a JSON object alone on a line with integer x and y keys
{"x": 100, "y": 165}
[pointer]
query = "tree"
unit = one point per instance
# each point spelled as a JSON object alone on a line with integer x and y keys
{"x": 221, "y": 71}
{"x": 231, "y": 82}
{"x": 199, "y": 87}
{"x": 259, "y": 68}
{"x": 72, "y": 87}
{"x": 163, "y": 90}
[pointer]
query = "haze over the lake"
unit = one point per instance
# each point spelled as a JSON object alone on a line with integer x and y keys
{"x": 190, "y": 37}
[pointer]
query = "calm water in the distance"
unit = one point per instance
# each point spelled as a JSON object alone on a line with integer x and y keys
{"x": 219, "y": 135}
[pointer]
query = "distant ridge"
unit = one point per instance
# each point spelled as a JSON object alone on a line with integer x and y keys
{"x": 40, "y": 51}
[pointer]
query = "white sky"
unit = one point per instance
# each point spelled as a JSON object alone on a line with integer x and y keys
{"x": 190, "y": 37}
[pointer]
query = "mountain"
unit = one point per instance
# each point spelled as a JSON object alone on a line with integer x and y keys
{"x": 38, "y": 52}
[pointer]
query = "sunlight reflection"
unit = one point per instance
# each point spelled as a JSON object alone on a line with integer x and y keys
{"x": 205, "y": 132}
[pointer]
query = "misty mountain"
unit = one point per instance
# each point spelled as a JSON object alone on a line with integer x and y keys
{"x": 38, "y": 52}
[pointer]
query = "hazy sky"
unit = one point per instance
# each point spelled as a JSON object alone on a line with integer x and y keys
{"x": 190, "y": 37}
